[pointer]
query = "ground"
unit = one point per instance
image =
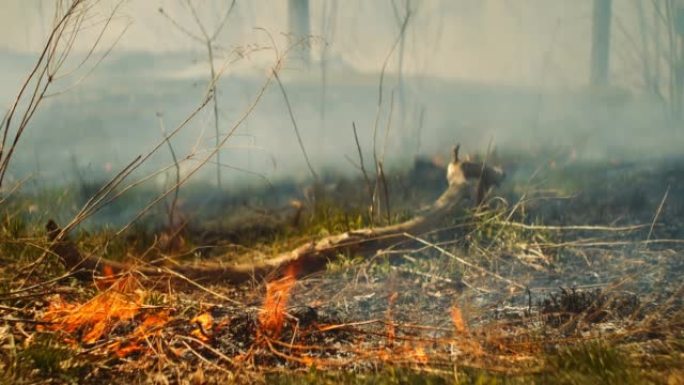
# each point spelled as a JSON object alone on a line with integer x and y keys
{"x": 568, "y": 273}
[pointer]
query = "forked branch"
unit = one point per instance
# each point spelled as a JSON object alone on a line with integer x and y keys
{"x": 309, "y": 257}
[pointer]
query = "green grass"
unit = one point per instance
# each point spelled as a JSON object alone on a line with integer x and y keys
{"x": 22, "y": 238}
{"x": 592, "y": 363}
{"x": 47, "y": 358}
{"x": 584, "y": 364}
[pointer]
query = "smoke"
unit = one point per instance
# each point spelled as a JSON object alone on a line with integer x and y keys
{"x": 474, "y": 71}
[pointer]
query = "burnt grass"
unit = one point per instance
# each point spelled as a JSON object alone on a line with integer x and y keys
{"x": 577, "y": 279}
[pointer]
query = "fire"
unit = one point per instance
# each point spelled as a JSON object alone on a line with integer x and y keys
{"x": 419, "y": 355}
{"x": 272, "y": 315}
{"x": 121, "y": 282}
{"x": 108, "y": 271}
{"x": 108, "y": 278}
{"x": 308, "y": 361}
{"x": 95, "y": 317}
{"x": 457, "y": 319}
{"x": 205, "y": 323}
{"x": 150, "y": 326}
{"x": 98, "y": 317}
{"x": 466, "y": 342}
{"x": 391, "y": 332}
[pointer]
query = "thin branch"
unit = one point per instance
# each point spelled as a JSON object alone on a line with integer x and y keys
{"x": 466, "y": 263}
{"x": 42, "y": 76}
{"x": 223, "y": 21}
{"x": 657, "y": 214}
{"x": 204, "y": 161}
{"x": 362, "y": 163}
{"x": 180, "y": 27}
{"x": 174, "y": 201}
{"x": 294, "y": 125}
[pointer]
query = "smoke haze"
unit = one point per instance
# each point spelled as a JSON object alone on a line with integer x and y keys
{"x": 473, "y": 71}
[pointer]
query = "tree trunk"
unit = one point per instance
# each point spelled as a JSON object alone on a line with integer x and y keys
{"x": 298, "y": 12}
{"x": 600, "y": 48}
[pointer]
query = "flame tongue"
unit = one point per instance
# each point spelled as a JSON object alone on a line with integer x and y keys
{"x": 98, "y": 317}
{"x": 93, "y": 318}
{"x": 272, "y": 315}
{"x": 457, "y": 320}
{"x": 419, "y": 355}
{"x": 391, "y": 331}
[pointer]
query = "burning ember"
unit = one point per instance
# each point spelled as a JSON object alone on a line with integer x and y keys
{"x": 205, "y": 323}
{"x": 150, "y": 326}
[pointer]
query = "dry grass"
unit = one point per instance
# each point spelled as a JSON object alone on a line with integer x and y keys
{"x": 533, "y": 288}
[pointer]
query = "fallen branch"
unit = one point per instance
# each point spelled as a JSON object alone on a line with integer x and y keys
{"x": 307, "y": 258}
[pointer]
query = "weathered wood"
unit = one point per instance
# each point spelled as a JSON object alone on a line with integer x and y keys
{"x": 309, "y": 257}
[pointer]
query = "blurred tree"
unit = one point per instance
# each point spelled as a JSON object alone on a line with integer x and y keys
{"x": 208, "y": 38}
{"x": 678, "y": 21}
{"x": 600, "y": 48}
{"x": 300, "y": 29}
{"x": 328, "y": 26}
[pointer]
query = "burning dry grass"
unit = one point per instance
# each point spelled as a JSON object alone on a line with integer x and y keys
{"x": 119, "y": 307}
{"x": 473, "y": 302}
{"x": 354, "y": 318}
{"x": 302, "y": 325}
{"x": 273, "y": 312}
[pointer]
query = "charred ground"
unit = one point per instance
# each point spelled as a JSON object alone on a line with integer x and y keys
{"x": 570, "y": 273}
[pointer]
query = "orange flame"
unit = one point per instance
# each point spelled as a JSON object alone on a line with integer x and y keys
{"x": 419, "y": 355}
{"x": 99, "y": 316}
{"x": 469, "y": 344}
{"x": 457, "y": 319}
{"x": 108, "y": 271}
{"x": 94, "y": 318}
{"x": 151, "y": 325}
{"x": 117, "y": 281}
{"x": 205, "y": 323}
{"x": 272, "y": 315}
{"x": 391, "y": 332}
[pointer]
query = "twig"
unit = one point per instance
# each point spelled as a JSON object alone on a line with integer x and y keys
{"x": 419, "y": 130}
{"x": 26, "y": 321}
{"x": 381, "y": 174}
{"x": 203, "y": 288}
{"x": 657, "y": 213}
{"x": 208, "y": 41}
{"x": 206, "y": 361}
{"x": 204, "y": 161}
{"x": 53, "y": 55}
{"x": 362, "y": 163}
{"x": 101, "y": 202}
{"x": 311, "y": 257}
{"x": 107, "y": 52}
{"x": 14, "y": 189}
{"x": 612, "y": 243}
{"x": 380, "y": 170}
{"x": 172, "y": 209}
{"x": 208, "y": 347}
{"x": 248, "y": 172}
{"x": 11, "y": 309}
{"x": 464, "y": 262}
{"x": 379, "y": 107}
{"x": 573, "y": 228}
{"x": 421, "y": 274}
{"x": 294, "y": 125}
